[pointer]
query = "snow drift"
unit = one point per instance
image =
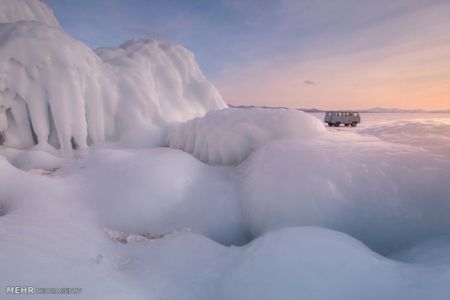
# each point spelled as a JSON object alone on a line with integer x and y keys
{"x": 158, "y": 191}
{"x": 230, "y": 135}
{"x": 315, "y": 263}
{"x": 57, "y": 91}
{"x": 146, "y": 224}
{"x": 43, "y": 226}
{"x": 389, "y": 196}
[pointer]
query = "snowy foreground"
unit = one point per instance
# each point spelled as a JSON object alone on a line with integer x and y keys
{"x": 310, "y": 213}
{"x": 123, "y": 172}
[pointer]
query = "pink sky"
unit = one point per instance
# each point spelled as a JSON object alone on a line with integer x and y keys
{"x": 402, "y": 62}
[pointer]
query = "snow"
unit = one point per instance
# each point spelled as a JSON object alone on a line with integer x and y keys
{"x": 229, "y": 136}
{"x": 47, "y": 225}
{"x": 155, "y": 223}
{"x": 45, "y": 233}
{"x": 33, "y": 159}
{"x": 26, "y": 10}
{"x": 237, "y": 204}
{"x": 315, "y": 263}
{"x": 431, "y": 134}
{"x": 395, "y": 194}
{"x": 58, "y": 91}
{"x": 158, "y": 191}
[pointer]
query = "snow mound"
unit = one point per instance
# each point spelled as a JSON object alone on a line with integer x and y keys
{"x": 311, "y": 263}
{"x": 230, "y": 135}
{"x": 430, "y": 134}
{"x": 55, "y": 90}
{"x": 26, "y": 10}
{"x": 45, "y": 225}
{"x": 158, "y": 191}
{"x": 319, "y": 264}
{"x": 51, "y": 222}
{"x": 387, "y": 195}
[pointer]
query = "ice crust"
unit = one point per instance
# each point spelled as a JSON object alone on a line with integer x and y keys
{"x": 160, "y": 190}
{"x": 390, "y": 196}
{"x": 229, "y": 136}
{"x": 245, "y": 204}
{"x": 58, "y": 91}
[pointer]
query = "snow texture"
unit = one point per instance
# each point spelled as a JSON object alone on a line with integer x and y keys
{"x": 161, "y": 190}
{"x": 26, "y": 10}
{"x": 230, "y": 135}
{"x": 398, "y": 196}
{"x": 58, "y": 91}
{"x": 253, "y": 204}
{"x": 390, "y": 196}
{"x": 433, "y": 134}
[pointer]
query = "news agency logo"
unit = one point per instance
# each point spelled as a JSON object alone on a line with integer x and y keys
{"x": 19, "y": 290}
{"x": 23, "y": 290}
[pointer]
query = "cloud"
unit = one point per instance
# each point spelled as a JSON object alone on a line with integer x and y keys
{"x": 309, "y": 82}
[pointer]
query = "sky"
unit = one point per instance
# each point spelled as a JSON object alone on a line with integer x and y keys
{"x": 334, "y": 54}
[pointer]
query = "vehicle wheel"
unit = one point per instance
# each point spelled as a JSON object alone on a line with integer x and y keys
{"x": 337, "y": 124}
{"x": 354, "y": 124}
{"x": 330, "y": 124}
{"x": 346, "y": 125}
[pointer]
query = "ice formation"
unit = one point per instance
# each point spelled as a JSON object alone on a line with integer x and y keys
{"x": 230, "y": 135}
{"x": 26, "y": 10}
{"x": 391, "y": 196}
{"x": 3, "y": 122}
{"x": 327, "y": 214}
{"x": 47, "y": 225}
{"x": 315, "y": 263}
{"x": 58, "y": 91}
{"x": 160, "y": 190}
{"x": 398, "y": 196}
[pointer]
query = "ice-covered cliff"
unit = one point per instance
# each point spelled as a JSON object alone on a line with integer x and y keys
{"x": 58, "y": 91}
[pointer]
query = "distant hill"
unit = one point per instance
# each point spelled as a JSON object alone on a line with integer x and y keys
{"x": 394, "y": 110}
{"x": 399, "y": 110}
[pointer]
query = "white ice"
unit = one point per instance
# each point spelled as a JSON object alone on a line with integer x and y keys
{"x": 238, "y": 204}
{"x": 26, "y": 10}
{"x": 56, "y": 90}
{"x": 229, "y": 136}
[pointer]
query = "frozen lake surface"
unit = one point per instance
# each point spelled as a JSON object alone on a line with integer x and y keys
{"x": 239, "y": 204}
{"x": 124, "y": 173}
{"x": 369, "y": 119}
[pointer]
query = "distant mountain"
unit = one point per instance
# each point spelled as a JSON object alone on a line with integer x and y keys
{"x": 311, "y": 110}
{"x": 442, "y": 111}
{"x": 399, "y": 110}
{"x": 394, "y": 110}
{"x": 255, "y": 106}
